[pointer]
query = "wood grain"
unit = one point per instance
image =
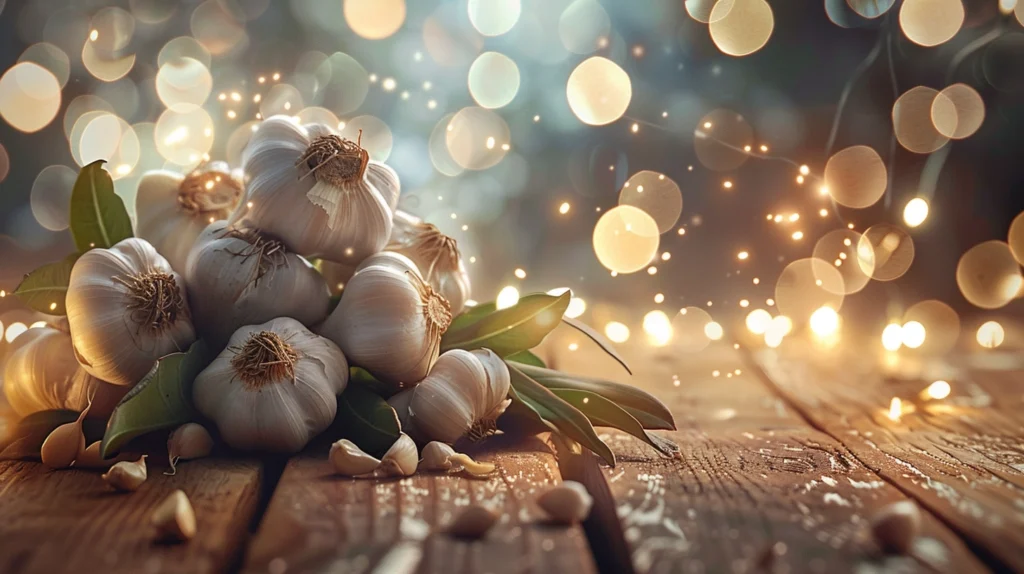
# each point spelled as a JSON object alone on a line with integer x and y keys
{"x": 72, "y": 521}
{"x": 320, "y": 522}
{"x": 963, "y": 457}
{"x": 756, "y": 488}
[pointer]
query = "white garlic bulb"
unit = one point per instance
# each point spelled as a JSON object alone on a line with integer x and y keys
{"x": 126, "y": 309}
{"x": 320, "y": 194}
{"x": 239, "y": 277}
{"x": 274, "y": 387}
{"x": 436, "y": 255}
{"x": 42, "y": 374}
{"x": 171, "y": 210}
{"x": 389, "y": 321}
{"x": 463, "y": 395}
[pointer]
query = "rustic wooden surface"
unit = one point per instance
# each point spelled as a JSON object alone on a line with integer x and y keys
{"x": 756, "y": 489}
{"x": 962, "y": 458}
{"x": 320, "y": 522}
{"x": 54, "y": 521}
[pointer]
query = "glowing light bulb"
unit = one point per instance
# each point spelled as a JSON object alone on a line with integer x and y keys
{"x": 895, "y": 409}
{"x": 938, "y": 390}
{"x": 507, "y": 297}
{"x": 892, "y": 337}
{"x": 617, "y": 332}
{"x": 658, "y": 328}
{"x": 913, "y": 334}
{"x": 714, "y": 331}
{"x": 824, "y": 322}
{"x": 915, "y": 212}
{"x": 990, "y": 335}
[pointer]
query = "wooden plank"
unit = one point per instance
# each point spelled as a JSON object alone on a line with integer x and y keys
{"x": 963, "y": 457}
{"x": 756, "y": 487}
{"x": 71, "y": 521}
{"x": 320, "y": 522}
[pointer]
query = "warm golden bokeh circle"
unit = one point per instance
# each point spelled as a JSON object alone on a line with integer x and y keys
{"x": 689, "y": 329}
{"x": 493, "y": 80}
{"x": 931, "y": 22}
{"x": 375, "y": 135}
{"x": 656, "y": 194}
{"x": 842, "y": 250}
{"x": 856, "y": 176}
{"x": 968, "y": 110}
{"x": 599, "y": 91}
{"x": 988, "y": 275}
{"x": 494, "y": 17}
{"x": 720, "y": 138}
{"x": 626, "y": 239}
{"x": 806, "y": 285}
{"x": 892, "y": 251}
{"x": 741, "y": 27}
{"x": 374, "y": 19}
{"x": 29, "y": 96}
{"x": 183, "y": 80}
{"x": 940, "y": 321}
{"x": 919, "y": 118}
{"x": 1016, "y": 238}
{"x": 477, "y": 138}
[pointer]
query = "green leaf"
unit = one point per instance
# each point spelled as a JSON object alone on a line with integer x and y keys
{"x": 604, "y": 413}
{"x": 507, "y": 331}
{"x": 162, "y": 399}
{"x": 652, "y": 413}
{"x": 555, "y": 410}
{"x": 98, "y": 216}
{"x": 45, "y": 288}
{"x": 527, "y": 358}
{"x": 28, "y": 434}
{"x": 598, "y": 338}
{"x": 363, "y": 378}
{"x": 365, "y": 419}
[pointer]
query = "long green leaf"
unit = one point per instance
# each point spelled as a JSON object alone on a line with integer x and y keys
{"x": 508, "y": 331}
{"x": 45, "y": 288}
{"x": 604, "y": 413}
{"x": 656, "y": 414}
{"x": 98, "y": 215}
{"x": 527, "y": 358}
{"x": 365, "y": 419}
{"x": 598, "y": 338}
{"x": 567, "y": 418}
{"x": 162, "y": 399}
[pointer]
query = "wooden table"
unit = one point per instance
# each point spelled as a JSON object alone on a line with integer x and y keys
{"x": 785, "y": 457}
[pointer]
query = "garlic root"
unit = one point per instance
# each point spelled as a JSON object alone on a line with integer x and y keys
{"x": 174, "y": 519}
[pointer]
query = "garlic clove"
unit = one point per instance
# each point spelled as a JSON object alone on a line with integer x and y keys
{"x": 436, "y": 456}
{"x": 498, "y": 382}
{"x": 566, "y": 503}
{"x": 188, "y": 442}
{"x": 90, "y": 458}
{"x": 436, "y": 255}
{"x": 392, "y": 260}
{"x": 64, "y": 443}
{"x": 174, "y": 519}
{"x": 896, "y": 525}
{"x": 473, "y": 522}
{"x": 349, "y": 460}
{"x": 401, "y": 459}
{"x": 127, "y": 476}
{"x": 471, "y": 466}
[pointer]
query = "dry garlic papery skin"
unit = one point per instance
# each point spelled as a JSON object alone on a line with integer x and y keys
{"x": 239, "y": 277}
{"x": 171, "y": 209}
{"x": 435, "y": 254}
{"x": 390, "y": 323}
{"x": 463, "y": 395}
{"x": 43, "y": 374}
{"x": 317, "y": 192}
{"x": 126, "y": 309}
{"x": 273, "y": 388}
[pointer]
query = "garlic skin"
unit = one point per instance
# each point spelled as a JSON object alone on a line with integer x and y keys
{"x": 349, "y": 460}
{"x": 463, "y": 395}
{"x": 126, "y": 309}
{"x": 238, "y": 277}
{"x": 42, "y": 374}
{"x": 401, "y": 459}
{"x": 318, "y": 193}
{"x": 390, "y": 323}
{"x": 273, "y": 388}
{"x": 436, "y": 255}
{"x": 171, "y": 209}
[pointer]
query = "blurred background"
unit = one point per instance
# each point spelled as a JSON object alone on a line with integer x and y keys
{"x": 520, "y": 127}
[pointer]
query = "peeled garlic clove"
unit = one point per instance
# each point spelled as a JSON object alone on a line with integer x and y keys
{"x": 126, "y": 309}
{"x": 239, "y": 277}
{"x": 319, "y": 193}
{"x": 174, "y": 519}
{"x": 127, "y": 476}
{"x": 436, "y": 255}
{"x": 566, "y": 503}
{"x": 187, "y": 442}
{"x": 172, "y": 210}
{"x": 471, "y": 466}
{"x": 63, "y": 444}
{"x": 273, "y": 388}
{"x": 401, "y": 459}
{"x": 390, "y": 323}
{"x": 895, "y": 526}
{"x": 474, "y": 522}
{"x": 349, "y": 460}
{"x": 435, "y": 456}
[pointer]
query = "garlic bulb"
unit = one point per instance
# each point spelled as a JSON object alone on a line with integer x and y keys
{"x": 273, "y": 388}
{"x": 239, "y": 277}
{"x": 318, "y": 193}
{"x": 126, "y": 309}
{"x": 42, "y": 374}
{"x": 389, "y": 322}
{"x": 436, "y": 255}
{"x": 171, "y": 210}
{"x": 463, "y": 395}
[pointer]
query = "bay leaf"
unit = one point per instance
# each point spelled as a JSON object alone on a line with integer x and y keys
{"x": 605, "y": 413}
{"x": 507, "y": 331}
{"x": 527, "y": 358}
{"x": 366, "y": 419}
{"x": 598, "y": 338}
{"x": 98, "y": 215}
{"x": 45, "y": 289}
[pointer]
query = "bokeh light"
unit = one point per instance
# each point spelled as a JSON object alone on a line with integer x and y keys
{"x": 824, "y": 322}
{"x": 990, "y": 335}
{"x": 658, "y": 328}
{"x": 939, "y": 320}
{"x": 626, "y": 239}
{"x": 1015, "y": 238}
{"x": 741, "y": 27}
{"x": 915, "y": 212}
{"x": 599, "y": 91}
{"x": 374, "y": 19}
{"x": 29, "y": 96}
{"x": 855, "y": 261}
{"x": 50, "y": 197}
{"x": 183, "y": 81}
{"x": 184, "y": 134}
{"x": 913, "y": 334}
{"x": 376, "y": 135}
{"x": 507, "y": 297}
{"x": 494, "y": 17}
{"x": 690, "y": 330}
{"x": 720, "y": 138}
{"x": 616, "y": 332}
{"x": 988, "y": 275}
{"x": 583, "y": 25}
{"x": 806, "y": 285}
{"x": 938, "y": 390}
{"x": 758, "y": 320}
{"x": 931, "y": 22}
{"x": 920, "y": 117}
{"x": 969, "y": 109}
{"x": 493, "y": 80}
{"x": 656, "y": 194}
{"x": 477, "y": 138}
{"x": 892, "y": 252}
{"x": 856, "y": 177}
{"x": 892, "y": 337}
